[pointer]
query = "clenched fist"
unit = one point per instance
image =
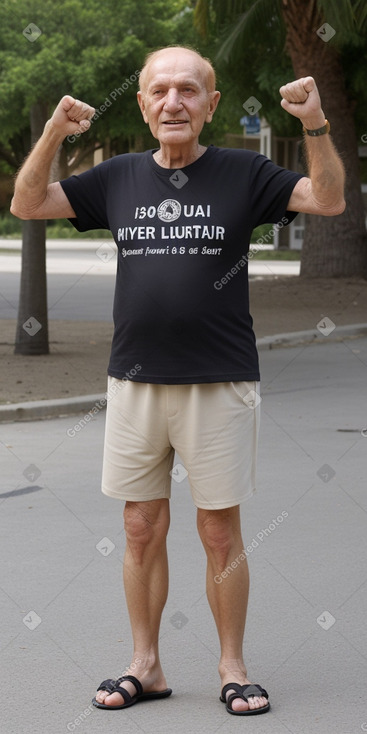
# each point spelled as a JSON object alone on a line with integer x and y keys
{"x": 301, "y": 99}
{"x": 71, "y": 116}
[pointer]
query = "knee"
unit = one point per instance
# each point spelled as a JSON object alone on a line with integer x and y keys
{"x": 145, "y": 523}
{"x": 218, "y": 530}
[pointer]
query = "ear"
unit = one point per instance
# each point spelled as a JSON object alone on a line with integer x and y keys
{"x": 214, "y": 98}
{"x": 141, "y": 103}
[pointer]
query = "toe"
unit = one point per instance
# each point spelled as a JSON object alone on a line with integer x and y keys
{"x": 100, "y": 696}
{"x": 254, "y": 702}
{"x": 257, "y": 702}
{"x": 114, "y": 699}
{"x": 238, "y": 704}
{"x": 110, "y": 699}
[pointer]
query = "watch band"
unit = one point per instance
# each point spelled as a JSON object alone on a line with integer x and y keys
{"x": 319, "y": 130}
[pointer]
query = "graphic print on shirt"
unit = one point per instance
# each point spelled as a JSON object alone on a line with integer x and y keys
{"x": 168, "y": 211}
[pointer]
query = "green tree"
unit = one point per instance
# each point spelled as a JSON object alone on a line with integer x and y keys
{"x": 84, "y": 48}
{"x": 257, "y": 34}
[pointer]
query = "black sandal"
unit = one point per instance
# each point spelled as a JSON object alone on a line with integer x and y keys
{"x": 244, "y": 692}
{"x": 112, "y": 686}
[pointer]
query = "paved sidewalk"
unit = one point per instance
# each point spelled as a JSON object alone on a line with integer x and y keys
{"x": 98, "y": 257}
{"x": 64, "y": 622}
{"x": 60, "y": 407}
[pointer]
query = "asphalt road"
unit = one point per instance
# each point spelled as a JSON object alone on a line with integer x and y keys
{"x": 64, "y": 622}
{"x": 81, "y": 278}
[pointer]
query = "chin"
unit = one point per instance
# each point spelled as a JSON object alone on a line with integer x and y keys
{"x": 174, "y": 136}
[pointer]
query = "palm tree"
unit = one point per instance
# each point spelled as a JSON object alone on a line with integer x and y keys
{"x": 335, "y": 246}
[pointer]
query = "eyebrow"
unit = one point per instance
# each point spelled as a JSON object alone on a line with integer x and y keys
{"x": 163, "y": 81}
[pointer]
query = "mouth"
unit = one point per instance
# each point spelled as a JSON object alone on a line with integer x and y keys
{"x": 174, "y": 122}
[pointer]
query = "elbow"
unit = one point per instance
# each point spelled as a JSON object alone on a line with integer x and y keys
{"x": 14, "y": 210}
{"x": 17, "y": 211}
{"x": 339, "y": 208}
{"x": 331, "y": 210}
{"x": 343, "y": 206}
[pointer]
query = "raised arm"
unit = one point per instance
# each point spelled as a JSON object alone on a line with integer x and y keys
{"x": 34, "y": 197}
{"x": 323, "y": 191}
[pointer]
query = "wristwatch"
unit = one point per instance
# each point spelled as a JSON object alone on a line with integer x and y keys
{"x": 319, "y": 130}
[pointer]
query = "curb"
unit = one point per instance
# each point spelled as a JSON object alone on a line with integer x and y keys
{"x": 62, "y": 407}
{"x": 313, "y": 336}
{"x": 56, "y": 408}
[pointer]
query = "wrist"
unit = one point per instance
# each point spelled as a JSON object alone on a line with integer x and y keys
{"x": 53, "y": 133}
{"x": 319, "y": 131}
{"x": 314, "y": 122}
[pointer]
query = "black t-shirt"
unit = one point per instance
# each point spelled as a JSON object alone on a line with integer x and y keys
{"x": 181, "y": 306}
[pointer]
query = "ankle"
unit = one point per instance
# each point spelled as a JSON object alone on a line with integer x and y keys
{"x": 143, "y": 661}
{"x": 231, "y": 666}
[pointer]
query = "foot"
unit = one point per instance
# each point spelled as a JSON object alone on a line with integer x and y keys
{"x": 151, "y": 679}
{"x": 238, "y": 674}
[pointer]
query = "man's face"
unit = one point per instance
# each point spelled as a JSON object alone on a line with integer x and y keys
{"x": 174, "y": 100}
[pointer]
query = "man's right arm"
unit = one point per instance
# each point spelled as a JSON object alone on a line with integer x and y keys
{"x": 34, "y": 197}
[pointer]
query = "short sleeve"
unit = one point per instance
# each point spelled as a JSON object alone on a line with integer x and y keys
{"x": 271, "y": 189}
{"x": 87, "y": 194}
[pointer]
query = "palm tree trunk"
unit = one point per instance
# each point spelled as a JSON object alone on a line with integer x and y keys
{"x": 32, "y": 325}
{"x": 333, "y": 246}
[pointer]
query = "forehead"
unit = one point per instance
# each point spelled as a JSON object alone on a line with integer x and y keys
{"x": 175, "y": 66}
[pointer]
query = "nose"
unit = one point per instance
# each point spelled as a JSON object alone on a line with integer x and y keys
{"x": 172, "y": 102}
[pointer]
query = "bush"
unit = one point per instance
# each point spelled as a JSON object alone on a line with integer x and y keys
{"x": 262, "y": 231}
{"x": 57, "y": 229}
{"x": 10, "y": 226}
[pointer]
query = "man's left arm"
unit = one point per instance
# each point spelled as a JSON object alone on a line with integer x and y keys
{"x": 322, "y": 192}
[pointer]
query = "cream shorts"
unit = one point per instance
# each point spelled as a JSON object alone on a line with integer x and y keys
{"x": 213, "y": 427}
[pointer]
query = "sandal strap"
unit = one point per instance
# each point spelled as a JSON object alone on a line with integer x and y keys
{"x": 107, "y": 685}
{"x": 253, "y": 689}
{"x": 231, "y": 687}
{"x": 123, "y": 692}
{"x": 132, "y": 679}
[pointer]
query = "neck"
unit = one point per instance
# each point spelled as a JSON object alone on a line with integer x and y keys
{"x": 169, "y": 156}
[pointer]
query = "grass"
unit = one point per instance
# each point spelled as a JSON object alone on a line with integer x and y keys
{"x": 62, "y": 229}
{"x": 59, "y": 229}
{"x": 57, "y": 232}
{"x": 277, "y": 255}
{"x": 262, "y": 255}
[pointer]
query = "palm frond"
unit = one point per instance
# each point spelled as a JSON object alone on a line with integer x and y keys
{"x": 346, "y": 16}
{"x": 248, "y": 24}
{"x": 360, "y": 14}
{"x": 201, "y": 16}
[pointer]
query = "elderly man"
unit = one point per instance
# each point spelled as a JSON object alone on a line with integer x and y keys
{"x": 183, "y": 370}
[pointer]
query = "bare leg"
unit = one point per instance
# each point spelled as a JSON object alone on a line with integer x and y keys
{"x": 220, "y": 532}
{"x": 146, "y": 589}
